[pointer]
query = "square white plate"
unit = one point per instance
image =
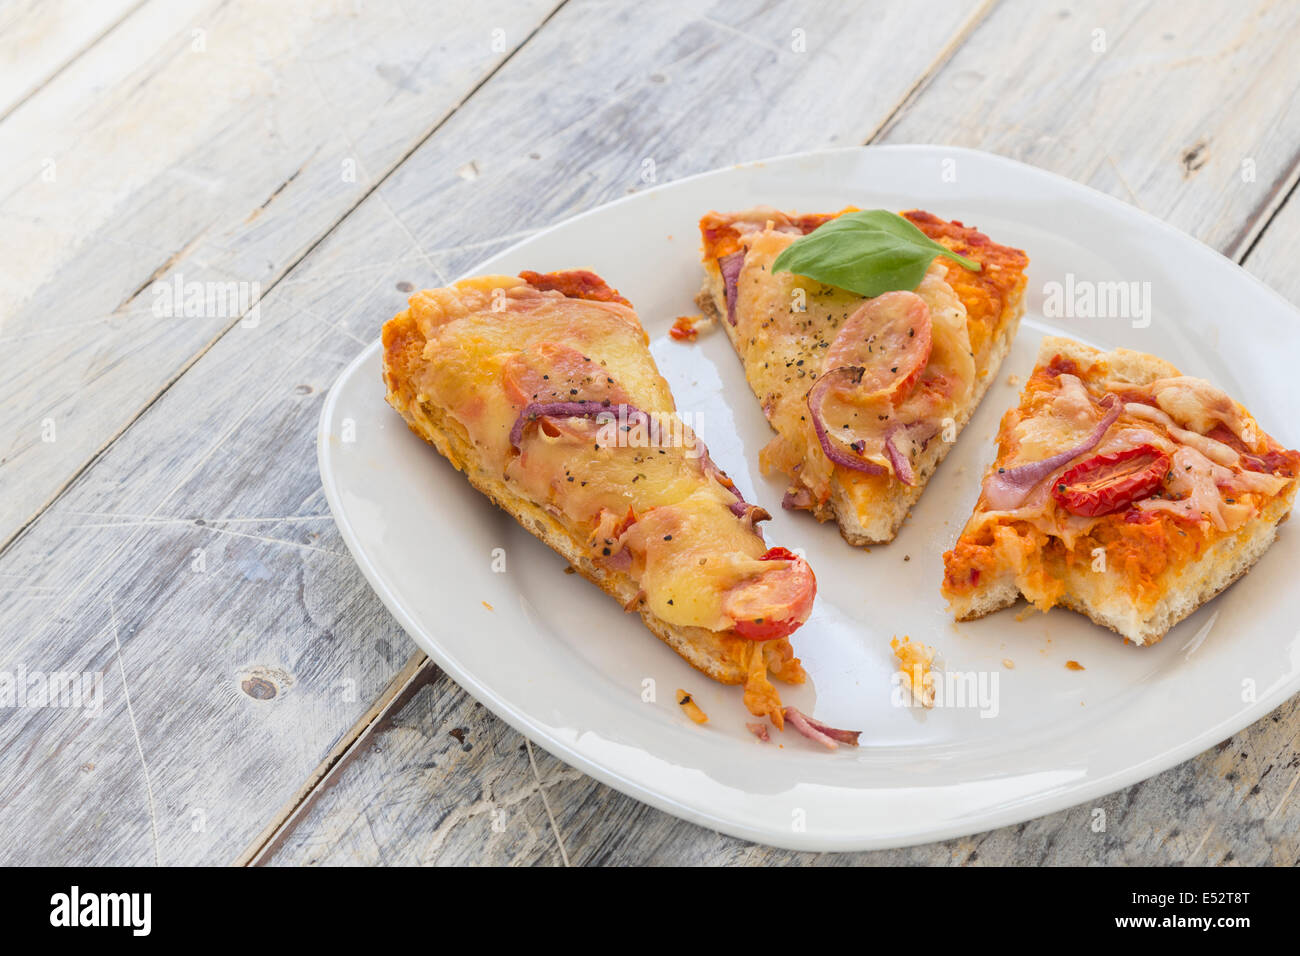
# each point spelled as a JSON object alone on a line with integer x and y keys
{"x": 560, "y": 662}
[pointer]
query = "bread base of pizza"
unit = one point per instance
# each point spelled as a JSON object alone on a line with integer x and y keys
{"x": 494, "y": 373}
{"x": 973, "y": 317}
{"x": 1122, "y": 490}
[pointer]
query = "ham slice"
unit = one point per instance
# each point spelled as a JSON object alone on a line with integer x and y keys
{"x": 826, "y": 735}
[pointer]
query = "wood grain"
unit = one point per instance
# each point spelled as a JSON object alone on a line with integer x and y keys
{"x": 1182, "y": 115}
{"x": 1274, "y": 256}
{"x": 41, "y": 38}
{"x": 245, "y": 676}
{"x": 200, "y": 142}
{"x": 1234, "y": 803}
{"x": 440, "y": 780}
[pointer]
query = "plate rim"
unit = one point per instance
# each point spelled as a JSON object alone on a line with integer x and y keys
{"x": 1018, "y": 811}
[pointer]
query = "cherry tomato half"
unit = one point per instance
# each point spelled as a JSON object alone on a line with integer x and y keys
{"x": 776, "y": 602}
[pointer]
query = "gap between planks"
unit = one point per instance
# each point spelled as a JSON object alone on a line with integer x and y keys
{"x": 1264, "y": 214}
{"x": 958, "y": 40}
{"x": 415, "y": 673}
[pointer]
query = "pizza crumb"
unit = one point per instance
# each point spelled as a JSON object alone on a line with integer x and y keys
{"x": 687, "y": 327}
{"x": 1008, "y": 663}
{"x": 1013, "y": 380}
{"x": 488, "y": 606}
{"x": 916, "y": 660}
{"x": 1074, "y": 666}
{"x": 570, "y": 569}
{"x": 692, "y": 709}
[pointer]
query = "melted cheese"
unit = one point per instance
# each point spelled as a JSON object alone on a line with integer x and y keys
{"x": 1194, "y": 480}
{"x": 691, "y": 553}
{"x": 1197, "y": 405}
{"x": 1063, "y": 420}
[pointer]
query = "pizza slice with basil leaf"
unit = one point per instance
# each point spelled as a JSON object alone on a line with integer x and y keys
{"x": 1123, "y": 490}
{"x": 542, "y": 390}
{"x": 869, "y": 339}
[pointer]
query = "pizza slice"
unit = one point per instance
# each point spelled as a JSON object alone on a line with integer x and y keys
{"x": 1123, "y": 490}
{"x": 866, "y": 394}
{"x": 542, "y": 390}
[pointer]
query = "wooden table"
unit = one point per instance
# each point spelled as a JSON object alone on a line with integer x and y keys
{"x": 161, "y": 516}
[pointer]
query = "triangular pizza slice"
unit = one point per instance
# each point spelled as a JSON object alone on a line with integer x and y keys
{"x": 866, "y": 394}
{"x": 542, "y": 390}
{"x": 1123, "y": 490}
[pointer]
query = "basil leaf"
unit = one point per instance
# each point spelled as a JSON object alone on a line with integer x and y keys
{"x": 869, "y": 253}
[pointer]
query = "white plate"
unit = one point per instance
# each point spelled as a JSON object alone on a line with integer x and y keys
{"x": 560, "y": 662}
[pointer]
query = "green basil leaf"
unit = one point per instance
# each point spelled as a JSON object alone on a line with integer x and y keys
{"x": 869, "y": 253}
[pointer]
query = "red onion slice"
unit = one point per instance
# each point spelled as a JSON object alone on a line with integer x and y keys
{"x": 1007, "y": 488}
{"x": 897, "y": 457}
{"x": 535, "y": 410}
{"x": 740, "y": 507}
{"x": 824, "y": 734}
{"x": 833, "y": 449}
{"x": 730, "y": 267}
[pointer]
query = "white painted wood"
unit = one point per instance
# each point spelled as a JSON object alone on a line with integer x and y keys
{"x": 39, "y": 38}
{"x": 278, "y": 604}
{"x": 200, "y": 141}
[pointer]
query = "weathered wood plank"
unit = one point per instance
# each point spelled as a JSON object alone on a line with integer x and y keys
{"x": 199, "y": 142}
{"x": 221, "y": 468}
{"x": 1235, "y": 802}
{"x": 1190, "y": 116}
{"x": 1274, "y": 256}
{"x": 438, "y": 756}
{"x": 197, "y": 565}
{"x": 40, "y": 38}
{"x": 410, "y": 796}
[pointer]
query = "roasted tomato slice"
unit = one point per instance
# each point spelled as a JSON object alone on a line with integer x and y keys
{"x": 776, "y": 602}
{"x": 1106, "y": 483}
{"x": 889, "y": 337}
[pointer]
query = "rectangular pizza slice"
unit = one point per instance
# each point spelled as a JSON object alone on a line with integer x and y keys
{"x": 542, "y": 390}
{"x": 866, "y": 394}
{"x": 1123, "y": 490}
